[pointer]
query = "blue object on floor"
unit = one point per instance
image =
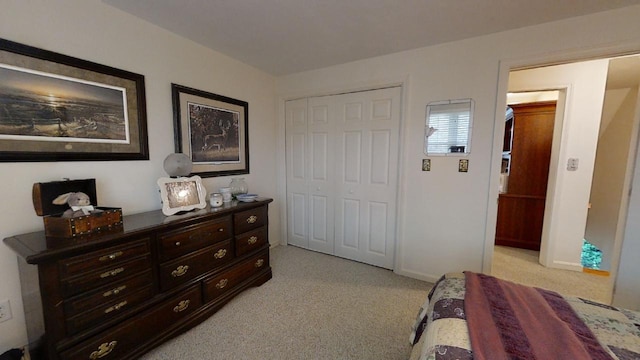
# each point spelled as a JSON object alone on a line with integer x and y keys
{"x": 591, "y": 256}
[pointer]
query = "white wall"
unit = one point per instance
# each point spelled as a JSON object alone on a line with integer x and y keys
{"x": 609, "y": 177}
{"x": 577, "y": 135}
{"x": 626, "y": 291}
{"x": 445, "y": 216}
{"x": 91, "y": 30}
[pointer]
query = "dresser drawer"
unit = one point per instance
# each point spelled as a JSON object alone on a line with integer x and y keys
{"x": 185, "y": 268}
{"x": 250, "y": 241}
{"x": 107, "y": 310}
{"x": 249, "y": 219}
{"x": 220, "y": 284}
{"x": 104, "y": 276}
{"x": 183, "y": 241}
{"x": 103, "y": 258}
{"x": 116, "y": 343}
{"x": 116, "y": 291}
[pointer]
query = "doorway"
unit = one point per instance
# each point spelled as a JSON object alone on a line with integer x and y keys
{"x": 613, "y": 150}
{"x": 526, "y": 156}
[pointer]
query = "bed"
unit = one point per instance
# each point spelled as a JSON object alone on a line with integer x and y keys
{"x": 475, "y": 316}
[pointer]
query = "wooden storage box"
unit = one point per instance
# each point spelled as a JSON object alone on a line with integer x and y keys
{"x": 57, "y": 226}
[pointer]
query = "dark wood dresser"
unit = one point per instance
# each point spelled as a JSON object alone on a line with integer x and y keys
{"x": 117, "y": 295}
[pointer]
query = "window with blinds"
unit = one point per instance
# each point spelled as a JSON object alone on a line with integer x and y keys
{"x": 448, "y": 127}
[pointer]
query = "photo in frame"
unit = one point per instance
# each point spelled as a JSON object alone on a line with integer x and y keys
{"x": 213, "y": 130}
{"x": 182, "y": 194}
{"x": 55, "y": 107}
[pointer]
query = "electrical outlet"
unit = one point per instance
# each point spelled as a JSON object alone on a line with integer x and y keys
{"x": 5, "y": 310}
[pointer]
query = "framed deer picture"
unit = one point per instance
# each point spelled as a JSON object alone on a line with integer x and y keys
{"x": 213, "y": 130}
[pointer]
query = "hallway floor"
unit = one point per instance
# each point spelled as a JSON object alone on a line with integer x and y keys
{"x": 522, "y": 266}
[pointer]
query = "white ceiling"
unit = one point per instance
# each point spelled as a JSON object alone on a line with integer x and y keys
{"x": 283, "y": 37}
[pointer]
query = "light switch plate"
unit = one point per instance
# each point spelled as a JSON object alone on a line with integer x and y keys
{"x": 572, "y": 164}
{"x": 463, "y": 165}
{"x": 426, "y": 164}
{"x": 5, "y": 310}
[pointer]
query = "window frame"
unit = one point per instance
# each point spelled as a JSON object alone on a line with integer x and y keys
{"x": 467, "y": 146}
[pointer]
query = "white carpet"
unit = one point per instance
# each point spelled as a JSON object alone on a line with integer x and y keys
{"x": 316, "y": 307}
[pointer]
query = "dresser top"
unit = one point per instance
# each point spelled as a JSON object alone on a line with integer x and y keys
{"x": 36, "y": 248}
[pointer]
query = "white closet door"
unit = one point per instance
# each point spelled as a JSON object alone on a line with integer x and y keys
{"x": 342, "y": 171}
{"x": 367, "y": 129}
{"x": 297, "y": 173}
{"x": 321, "y": 125}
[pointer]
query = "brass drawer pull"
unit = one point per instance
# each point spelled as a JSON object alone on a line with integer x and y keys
{"x": 115, "y": 291}
{"x": 220, "y": 254}
{"x": 182, "y": 306}
{"x": 180, "y": 270}
{"x": 252, "y": 240}
{"x": 178, "y": 243}
{"x": 222, "y": 283}
{"x": 113, "y": 272}
{"x": 103, "y": 350}
{"x": 251, "y": 219}
{"x": 115, "y": 307}
{"x": 110, "y": 256}
{"x": 221, "y": 230}
{"x": 259, "y": 263}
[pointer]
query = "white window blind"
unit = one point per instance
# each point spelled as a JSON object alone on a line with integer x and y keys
{"x": 451, "y": 122}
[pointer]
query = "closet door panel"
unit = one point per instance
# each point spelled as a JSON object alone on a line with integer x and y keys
{"x": 297, "y": 203}
{"x": 371, "y": 194}
{"x": 351, "y": 157}
{"x": 319, "y": 150}
{"x": 320, "y": 168}
{"x": 377, "y": 241}
{"x": 348, "y": 229}
{"x": 296, "y": 160}
{"x": 380, "y": 157}
{"x": 321, "y": 239}
{"x": 298, "y": 147}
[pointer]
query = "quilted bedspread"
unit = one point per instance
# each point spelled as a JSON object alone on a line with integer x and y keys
{"x": 441, "y": 332}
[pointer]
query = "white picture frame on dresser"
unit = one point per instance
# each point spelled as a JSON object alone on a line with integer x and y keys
{"x": 182, "y": 194}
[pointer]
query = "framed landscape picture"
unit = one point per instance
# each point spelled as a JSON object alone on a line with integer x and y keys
{"x": 55, "y": 107}
{"x": 213, "y": 130}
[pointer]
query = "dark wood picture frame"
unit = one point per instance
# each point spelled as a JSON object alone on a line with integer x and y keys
{"x": 213, "y": 130}
{"x": 23, "y": 139}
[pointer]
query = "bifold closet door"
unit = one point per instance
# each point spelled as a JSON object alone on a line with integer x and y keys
{"x": 310, "y": 173}
{"x": 367, "y": 130}
{"x": 320, "y": 161}
{"x": 342, "y": 171}
{"x": 297, "y": 173}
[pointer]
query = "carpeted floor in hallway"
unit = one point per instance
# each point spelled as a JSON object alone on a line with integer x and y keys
{"x": 522, "y": 266}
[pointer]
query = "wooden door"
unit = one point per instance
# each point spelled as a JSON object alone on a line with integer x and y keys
{"x": 521, "y": 208}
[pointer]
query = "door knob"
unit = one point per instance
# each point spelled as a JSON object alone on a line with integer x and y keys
{"x": 350, "y": 191}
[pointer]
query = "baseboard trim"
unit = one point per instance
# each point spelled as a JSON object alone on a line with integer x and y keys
{"x": 564, "y": 265}
{"x": 596, "y": 271}
{"x": 417, "y": 275}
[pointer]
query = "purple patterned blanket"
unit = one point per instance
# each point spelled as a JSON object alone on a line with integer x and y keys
{"x": 596, "y": 331}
